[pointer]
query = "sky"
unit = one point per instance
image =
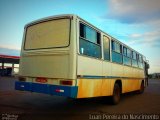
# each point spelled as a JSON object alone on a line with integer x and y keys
{"x": 133, "y": 22}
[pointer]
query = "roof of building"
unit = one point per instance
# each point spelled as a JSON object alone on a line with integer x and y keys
{"x": 9, "y": 59}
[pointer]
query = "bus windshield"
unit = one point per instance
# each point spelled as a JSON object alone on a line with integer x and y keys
{"x": 48, "y": 34}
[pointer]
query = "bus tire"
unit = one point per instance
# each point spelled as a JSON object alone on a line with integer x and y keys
{"x": 116, "y": 94}
{"x": 141, "y": 90}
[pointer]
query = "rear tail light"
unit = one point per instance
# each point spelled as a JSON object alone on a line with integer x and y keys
{"x": 66, "y": 82}
{"x": 41, "y": 80}
{"x": 23, "y": 79}
{"x": 59, "y": 90}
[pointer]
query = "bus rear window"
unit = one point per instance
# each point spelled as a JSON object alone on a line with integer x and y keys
{"x": 48, "y": 34}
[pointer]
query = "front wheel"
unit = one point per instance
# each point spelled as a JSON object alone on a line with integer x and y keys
{"x": 116, "y": 94}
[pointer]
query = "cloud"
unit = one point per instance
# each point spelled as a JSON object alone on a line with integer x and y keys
{"x": 7, "y": 51}
{"x": 9, "y": 47}
{"x": 140, "y": 15}
{"x": 134, "y": 11}
{"x": 150, "y": 38}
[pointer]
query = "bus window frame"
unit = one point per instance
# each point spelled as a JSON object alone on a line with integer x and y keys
{"x": 109, "y": 41}
{"x": 120, "y": 53}
{"x": 100, "y": 40}
{"x": 126, "y": 55}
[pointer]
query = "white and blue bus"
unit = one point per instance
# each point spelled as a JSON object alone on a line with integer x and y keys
{"x": 65, "y": 55}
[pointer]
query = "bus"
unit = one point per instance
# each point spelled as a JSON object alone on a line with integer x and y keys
{"x": 65, "y": 55}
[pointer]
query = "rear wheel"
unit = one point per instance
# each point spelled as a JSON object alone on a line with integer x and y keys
{"x": 141, "y": 88}
{"x": 116, "y": 94}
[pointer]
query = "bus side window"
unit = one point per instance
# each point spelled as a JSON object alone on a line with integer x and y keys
{"x": 98, "y": 38}
{"x": 116, "y": 52}
{"x": 140, "y": 61}
{"x": 89, "y": 41}
{"x": 134, "y": 59}
{"x": 126, "y": 56}
{"x": 106, "y": 48}
{"x": 82, "y": 30}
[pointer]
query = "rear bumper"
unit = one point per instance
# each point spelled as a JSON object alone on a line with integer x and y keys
{"x": 68, "y": 91}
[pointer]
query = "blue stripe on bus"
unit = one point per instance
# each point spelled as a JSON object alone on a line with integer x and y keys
{"x": 101, "y": 77}
{"x": 93, "y": 77}
{"x": 40, "y": 88}
{"x": 69, "y": 91}
{"x": 23, "y": 86}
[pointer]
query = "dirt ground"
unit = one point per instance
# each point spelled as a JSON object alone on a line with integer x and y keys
{"x": 17, "y": 105}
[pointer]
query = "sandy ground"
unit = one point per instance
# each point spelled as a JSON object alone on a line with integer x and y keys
{"x": 34, "y": 106}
